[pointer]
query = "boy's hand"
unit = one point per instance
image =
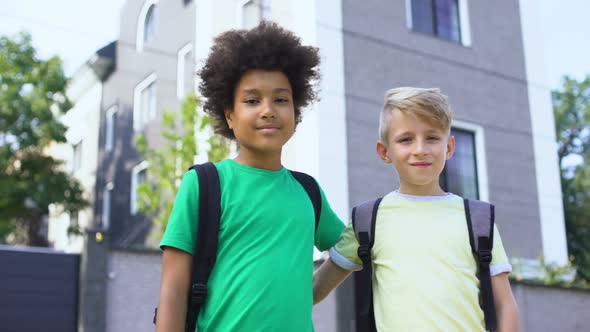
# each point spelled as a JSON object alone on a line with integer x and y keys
{"x": 326, "y": 278}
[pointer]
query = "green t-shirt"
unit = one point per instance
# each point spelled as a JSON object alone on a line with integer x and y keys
{"x": 262, "y": 279}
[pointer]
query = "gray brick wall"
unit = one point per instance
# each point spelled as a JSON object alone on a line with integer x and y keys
{"x": 549, "y": 309}
{"x": 486, "y": 86}
{"x": 134, "y": 281}
{"x": 160, "y": 57}
{"x": 133, "y": 286}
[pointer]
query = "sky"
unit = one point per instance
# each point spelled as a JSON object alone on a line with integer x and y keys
{"x": 74, "y": 29}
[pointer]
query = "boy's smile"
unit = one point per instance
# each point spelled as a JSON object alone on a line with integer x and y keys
{"x": 421, "y": 164}
{"x": 262, "y": 117}
{"x": 418, "y": 150}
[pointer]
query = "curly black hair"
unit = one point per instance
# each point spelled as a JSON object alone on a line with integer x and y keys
{"x": 267, "y": 46}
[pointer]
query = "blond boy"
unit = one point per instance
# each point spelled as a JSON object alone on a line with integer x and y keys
{"x": 424, "y": 272}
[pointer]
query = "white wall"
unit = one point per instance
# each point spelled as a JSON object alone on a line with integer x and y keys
{"x": 319, "y": 145}
{"x": 82, "y": 121}
{"x": 544, "y": 140}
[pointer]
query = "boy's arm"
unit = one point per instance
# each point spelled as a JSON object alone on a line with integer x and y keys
{"x": 176, "y": 274}
{"x": 326, "y": 278}
{"x": 506, "y": 308}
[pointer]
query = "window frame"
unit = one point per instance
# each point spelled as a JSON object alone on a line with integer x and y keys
{"x": 480, "y": 155}
{"x": 138, "y": 119}
{"x": 137, "y": 169}
{"x": 263, "y": 8}
{"x": 463, "y": 17}
{"x": 110, "y": 129}
{"x": 105, "y": 217}
{"x": 77, "y": 156}
{"x": 181, "y": 69}
{"x": 141, "y": 23}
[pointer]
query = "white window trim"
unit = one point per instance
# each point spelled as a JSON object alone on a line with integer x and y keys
{"x": 181, "y": 68}
{"x": 265, "y": 10}
{"x": 409, "y": 21}
{"x": 480, "y": 156}
{"x": 134, "y": 172}
{"x": 137, "y": 99}
{"x": 110, "y": 130}
{"x": 464, "y": 26}
{"x": 106, "y": 206}
{"x": 240, "y": 13}
{"x": 464, "y": 23}
{"x": 75, "y": 168}
{"x": 141, "y": 23}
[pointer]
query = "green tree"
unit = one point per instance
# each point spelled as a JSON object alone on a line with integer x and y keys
{"x": 32, "y": 96}
{"x": 571, "y": 106}
{"x": 167, "y": 164}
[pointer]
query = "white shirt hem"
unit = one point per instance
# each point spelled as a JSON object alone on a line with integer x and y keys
{"x": 343, "y": 262}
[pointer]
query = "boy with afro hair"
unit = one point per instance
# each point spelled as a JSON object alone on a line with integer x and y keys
{"x": 256, "y": 83}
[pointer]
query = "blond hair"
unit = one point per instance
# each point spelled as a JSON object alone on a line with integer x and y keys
{"x": 429, "y": 105}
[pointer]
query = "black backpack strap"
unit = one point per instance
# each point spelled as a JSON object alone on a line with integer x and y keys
{"x": 205, "y": 252}
{"x": 363, "y": 222}
{"x": 313, "y": 191}
{"x": 480, "y": 222}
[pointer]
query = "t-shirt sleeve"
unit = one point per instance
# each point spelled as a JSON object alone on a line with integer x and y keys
{"x": 181, "y": 231}
{"x": 344, "y": 253}
{"x": 500, "y": 263}
{"x": 329, "y": 228}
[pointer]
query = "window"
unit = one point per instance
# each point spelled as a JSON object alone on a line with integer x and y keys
{"x": 74, "y": 220}
{"x": 138, "y": 175}
{"x": 460, "y": 174}
{"x": 148, "y": 103}
{"x": 144, "y": 102}
{"x": 76, "y": 156}
{"x": 146, "y": 24}
{"x": 111, "y": 125}
{"x": 184, "y": 71}
{"x": 149, "y": 29}
{"x": 445, "y": 19}
{"x": 265, "y": 9}
{"x": 466, "y": 172}
{"x": 249, "y": 14}
{"x": 106, "y": 206}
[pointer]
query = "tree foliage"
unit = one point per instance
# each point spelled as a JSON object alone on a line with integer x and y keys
{"x": 571, "y": 106}
{"x": 167, "y": 164}
{"x": 32, "y": 97}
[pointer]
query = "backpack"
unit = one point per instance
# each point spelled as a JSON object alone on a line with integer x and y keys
{"x": 205, "y": 252}
{"x": 480, "y": 223}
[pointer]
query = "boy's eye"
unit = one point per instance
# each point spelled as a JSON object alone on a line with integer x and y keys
{"x": 405, "y": 140}
{"x": 433, "y": 138}
{"x": 282, "y": 100}
{"x": 251, "y": 101}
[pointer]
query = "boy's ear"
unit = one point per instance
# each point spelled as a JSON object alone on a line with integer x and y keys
{"x": 450, "y": 147}
{"x": 228, "y": 117}
{"x": 382, "y": 152}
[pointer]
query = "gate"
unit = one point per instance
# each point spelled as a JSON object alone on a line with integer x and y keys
{"x": 39, "y": 290}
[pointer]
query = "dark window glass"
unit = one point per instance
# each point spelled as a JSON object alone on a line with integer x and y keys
{"x": 460, "y": 174}
{"x": 149, "y": 28}
{"x": 437, "y": 17}
{"x": 447, "y": 19}
{"x": 422, "y": 16}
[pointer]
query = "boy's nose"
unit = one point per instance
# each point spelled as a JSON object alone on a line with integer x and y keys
{"x": 420, "y": 147}
{"x": 268, "y": 110}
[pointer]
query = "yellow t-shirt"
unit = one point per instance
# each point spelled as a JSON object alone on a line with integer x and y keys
{"x": 424, "y": 275}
